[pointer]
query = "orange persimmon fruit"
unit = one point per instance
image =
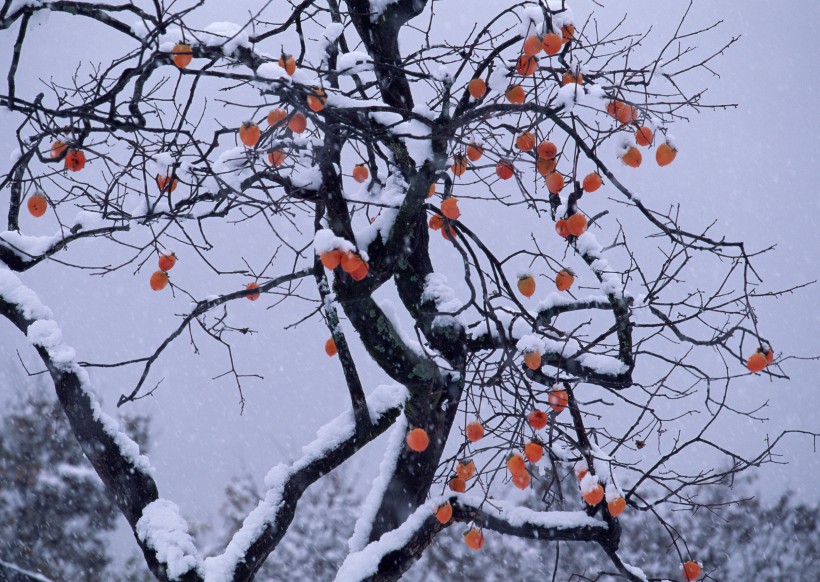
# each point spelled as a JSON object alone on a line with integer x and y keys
{"x": 551, "y": 43}
{"x": 665, "y": 154}
{"x": 474, "y": 431}
{"x": 37, "y": 205}
{"x": 75, "y": 160}
{"x": 252, "y": 296}
{"x": 444, "y": 512}
{"x": 159, "y": 280}
{"x": 532, "y": 360}
{"x": 449, "y": 208}
{"x": 564, "y": 280}
{"x": 533, "y": 451}
{"x": 360, "y": 173}
{"x": 526, "y": 285}
{"x": 166, "y": 262}
{"x": 331, "y": 259}
{"x": 477, "y": 88}
{"x": 249, "y": 134}
{"x": 632, "y": 157}
{"x": 182, "y": 55}
{"x": 504, "y": 170}
{"x": 538, "y": 419}
{"x": 592, "y": 182}
{"x": 577, "y": 224}
{"x": 474, "y": 538}
{"x": 417, "y": 440}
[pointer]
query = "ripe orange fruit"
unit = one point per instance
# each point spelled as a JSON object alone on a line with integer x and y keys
{"x": 297, "y": 123}
{"x": 516, "y": 465}
{"x": 474, "y": 152}
{"x": 545, "y": 167}
{"x": 276, "y": 116}
{"x": 665, "y": 154}
{"x": 547, "y": 150}
{"x": 166, "y": 183}
{"x": 504, "y": 170}
{"x": 516, "y": 95}
{"x": 474, "y": 538}
{"x": 474, "y": 431}
{"x": 330, "y": 347}
{"x": 592, "y": 182}
{"x": 558, "y": 400}
{"x": 577, "y": 224}
{"x": 417, "y": 440}
{"x": 555, "y": 182}
{"x": 526, "y": 65}
{"x": 632, "y": 157}
{"x": 331, "y": 259}
{"x": 465, "y": 469}
{"x": 458, "y": 484}
{"x": 277, "y": 157}
{"x": 533, "y": 451}
{"x": 57, "y": 149}
{"x": 570, "y": 79}
{"x": 532, "y": 45}
{"x": 623, "y": 112}
{"x": 360, "y": 173}
{"x": 477, "y": 88}
{"x": 182, "y": 55}
{"x": 769, "y": 356}
{"x": 538, "y": 419}
{"x": 449, "y": 208}
{"x": 616, "y": 506}
{"x": 351, "y": 262}
{"x": 159, "y": 280}
{"x": 436, "y": 222}
{"x": 444, "y": 513}
{"x": 756, "y": 362}
{"x": 551, "y": 43}
{"x": 75, "y": 160}
{"x": 288, "y": 63}
{"x": 521, "y": 481}
{"x": 37, "y": 205}
{"x": 249, "y": 134}
{"x": 525, "y": 141}
{"x": 252, "y": 296}
{"x": 562, "y": 228}
{"x": 526, "y": 285}
{"x": 532, "y": 360}
{"x": 316, "y": 101}
{"x": 360, "y": 272}
{"x": 564, "y": 280}
{"x": 431, "y": 190}
{"x": 594, "y": 495}
{"x": 691, "y": 571}
{"x": 459, "y": 165}
{"x": 567, "y": 32}
{"x": 167, "y": 262}
{"x": 643, "y": 136}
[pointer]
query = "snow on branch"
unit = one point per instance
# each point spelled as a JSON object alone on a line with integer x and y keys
{"x": 400, "y": 547}
{"x": 335, "y": 442}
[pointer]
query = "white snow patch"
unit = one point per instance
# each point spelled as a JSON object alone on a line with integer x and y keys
{"x": 162, "y": 527}
{"x": 370, "y": 507}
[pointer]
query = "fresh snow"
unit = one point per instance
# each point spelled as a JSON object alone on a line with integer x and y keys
{"x": 221, "y": 568}
{"x": 368, "y": 510}
{"x": 162, "y": 528}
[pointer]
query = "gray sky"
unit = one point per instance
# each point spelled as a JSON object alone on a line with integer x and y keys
{"x": 753, "y": 168}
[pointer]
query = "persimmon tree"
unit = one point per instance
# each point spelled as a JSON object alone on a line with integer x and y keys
{"x": 339, "y": 136}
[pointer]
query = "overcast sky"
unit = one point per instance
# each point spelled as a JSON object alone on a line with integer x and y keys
{"x": 753, "y": 168}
